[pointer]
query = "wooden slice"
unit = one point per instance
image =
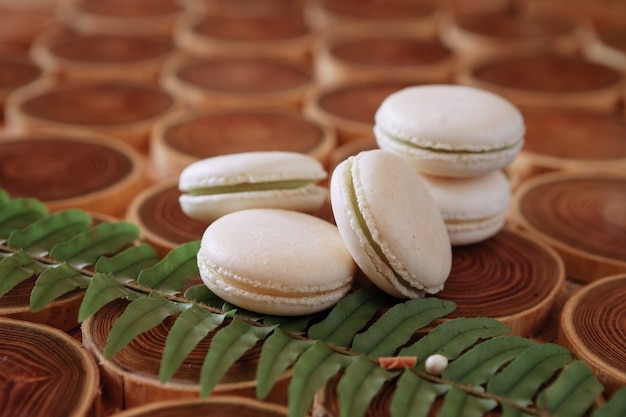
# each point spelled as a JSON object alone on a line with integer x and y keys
{"x": 548, "y": 81}
{"x": 163, "y": 224}
{"x": 608, "y": 46}
{"x": 222, "y": 406}
{"x": 569, "y": 140}
{"x": 20, "y": 24}
{"x": 228, "y": 82}
{"x": 349, "y": 108}
{"x": 131, "y": 378}
{"x": 255, "y": 7}
{"x": 185, "y": 137}
{"x": 280, "y": 36}
{"x": 511, "y": 277}
{"x": 369, "y": 59}
{"x": 119, "y": 109}
{"x": 68, "y": 171}
{"x": 531, "y": 28}
{"x": 593, "y": 327}
{"x": 61, "y": 313}
{"x": 133, "y": 17}
{"x": 77, "y": 56}
{"x": 389, "y": 18}
{"x": 581, "y": 216}
{"x": 45, "y": 373}
{"x": 15, "y": 72}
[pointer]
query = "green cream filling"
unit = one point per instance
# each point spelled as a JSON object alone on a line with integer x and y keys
{"x": 249, "y": 186}
{"x": 368, "y": 235}
{"x": 448, "y": 151}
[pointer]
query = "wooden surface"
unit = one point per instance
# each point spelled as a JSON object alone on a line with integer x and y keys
{"x": 531, "y": 301}
{"x": 45, "y": 372}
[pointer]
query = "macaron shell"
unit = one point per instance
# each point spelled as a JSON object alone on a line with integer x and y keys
{"x": 210, "y": 207}
{"x": 411, "y": 241}
{"x": 250, "y": 167}
{"x": 451, "y": 118}
{"x": 474, "y": 198}
{"x": 474, "y": 208}
{"x": 275, "y": 261}
{"x": 450, "y": 130}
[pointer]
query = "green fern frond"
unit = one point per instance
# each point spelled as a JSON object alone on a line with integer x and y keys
{"x": 489, "y": 368}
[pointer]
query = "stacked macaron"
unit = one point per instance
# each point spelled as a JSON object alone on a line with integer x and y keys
{"x": 459, "y": 139}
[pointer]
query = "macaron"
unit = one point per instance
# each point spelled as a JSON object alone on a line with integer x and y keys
{"x": 450, "y": 130}
{"x": 219, "y": 185}
{"x": 474, "y": 208}
{"x": 274, "y": 261}
{"x": 391, "y": 224}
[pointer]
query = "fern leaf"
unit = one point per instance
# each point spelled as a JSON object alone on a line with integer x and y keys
{"x": 521, "y": 379}
{"x": 85, "y": 248}
{"x": 140, "y": 316}
{"x": 279, "y": 352}
{"x": 16, "y": 268}
{"x": 228, "y": 345}
{"x": 398, "y": 325}
{"x": 458, "y": 403}
{"x": 311, "y": 371}
{"x": 359, "y": 384}
{"x": 292, "y": 324}
{"x": 573, "y": 393}
{"x": 414, "y": 396}
{"x": 453, "y": 337}
{"x": 174, "y": 271}
{"x": 482, "y": 361}
{"x": 102, "y": 289}
{"x": 127, "y": 264}
{"x": 615, "y": 407}
{"x": 41, "y": 235}
{"x": 193, "y": 325}
{"x": 349, "y": 316}
{"x": 4, "y": 196}
{"x": 55, "y": 282}
{"x": 18, "y": 213}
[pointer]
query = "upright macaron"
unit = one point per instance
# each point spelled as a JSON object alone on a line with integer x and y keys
{"x": 450, "y": 130}
{"x": 390, "y": 224}
{"x": 274, "y": 261}
{"x": 473, "y": 208}
{"x": 216, "y": 186}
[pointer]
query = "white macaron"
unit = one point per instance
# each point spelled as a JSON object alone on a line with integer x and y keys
{"x": 390, "y": 223}
{"x": 274, "y": 261}
{"x": 222, "y": 184}
{"x": 474, "y": 208}
{"x": 450, "y": 130}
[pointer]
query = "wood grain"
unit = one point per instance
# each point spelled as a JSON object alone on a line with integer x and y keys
{"x": 163, "y": 224}
{"x": 548, "y": 81}
{"x": 187, "y": 136}
{"x": 44, "y": 372}
{"x": 131, "y": 376}
{"x": 593, "y": 327}
{"x": 559, "y": 140}
{"x": 222, "y": 406}
{"x": 510, "y": 277}
{"x": 64, "y": 171}
{"x": 581, "y": 216}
